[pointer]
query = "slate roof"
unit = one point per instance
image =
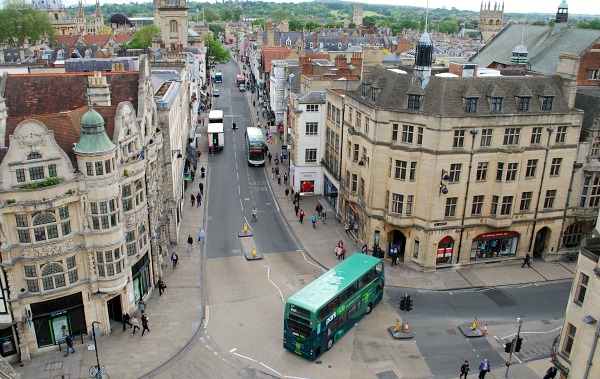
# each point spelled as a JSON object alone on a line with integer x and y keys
{"x": 444, "y": 96}
{"x": 282, "y": 37}
{"x": 589, "y": 101}
{"x": 294, "y": 80}
{"x": 312, "y": 97}
{"x": 544, "y": 47}
{"x": 270, "y": 53}
{"x": 38, "y": 94}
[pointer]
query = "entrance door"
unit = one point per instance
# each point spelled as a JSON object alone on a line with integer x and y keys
{"x": 397, "y": 241}
{"x": 114, "y": 309}
{"x": 541, "y": 239}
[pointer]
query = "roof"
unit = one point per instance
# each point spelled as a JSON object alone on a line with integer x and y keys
{"x": 215, "y": 128}
{"x": 321, "y": 290}
{"x": 122, "y": 38}
{"x": 543, "y": 45}
{"x": 270, "y": 53}
{"x": 66, "y": 40}
{"x": 50, "y": 93}
{"x": 93, "y": 137}
{"x": 312, "y": 97}
{"x": 98, "y": 39}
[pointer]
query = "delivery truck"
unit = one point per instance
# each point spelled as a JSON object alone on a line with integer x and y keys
{"x": 216, "y": 137}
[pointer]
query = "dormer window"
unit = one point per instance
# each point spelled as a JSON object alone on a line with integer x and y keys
{"x": 496, "y": 104}
{"x": 523, "y": 104}
{"x": 339, "y": 45}
{"x": 311, "y": 45}
{"x": 363, "y": 90}
{"x": 471, "y": 105}
{"x": 547, "y": 103}
{"x": 414, "y": 101}
{"x": 373, "y": 94}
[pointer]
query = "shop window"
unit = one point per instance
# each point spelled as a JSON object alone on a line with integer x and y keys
{"x": 569, "y": 339}
{"x": 582, "y": 288}
{"x": 494, "y": 245}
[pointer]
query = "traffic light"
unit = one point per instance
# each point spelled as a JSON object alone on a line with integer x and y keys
{"x": 409, "y": 303}
{"x": 507, "y": 347}
{"x": 518, "y": 345}
{"x": 403, "y": 303}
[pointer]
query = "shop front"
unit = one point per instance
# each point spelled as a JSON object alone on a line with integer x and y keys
{"x": 307, "y": 182}
{"x": 494, "y": 245}
{"x": 140, "y": 274}
{"x": 53, "y": 318}
{"x": 353, "y": 218}
{"x": 330, "y": 192}
{"x": 444, "y": 250}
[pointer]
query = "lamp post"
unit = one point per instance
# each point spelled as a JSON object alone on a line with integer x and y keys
{"x": 443, "y": 178}
{"x": 474, "y": 133}
{"x": 512, "y": 346}
{"x": 99, "y": 372}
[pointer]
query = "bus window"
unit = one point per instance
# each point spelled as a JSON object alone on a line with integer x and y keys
{"x": 342, "y": 319}
{"x": 362, "y": 281}
{"x": 343, "y": 296}
{"x": 322, "y": 313}
{"x": 332, "y": 328}
{"x": 379, "y": 268}
{"x": 352, "y": 289}
{"x": 372, "y": 273}
{"x": 333, "y": 305}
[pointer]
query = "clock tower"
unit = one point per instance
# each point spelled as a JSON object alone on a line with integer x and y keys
{"x": 171, "y": 16}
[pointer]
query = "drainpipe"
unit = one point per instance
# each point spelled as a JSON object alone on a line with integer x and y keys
{"x": 592, "y": 351}
{"x": 537, "y": 206}
{"x": 576, "y": 166}
{"x": 473, "y": 132}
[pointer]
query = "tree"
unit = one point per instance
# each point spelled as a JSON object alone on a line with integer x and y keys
{"x": 20, "y": 22}
{"x": 278, "y": 15}
{"x": 210, "y": 15}
{"x": 369, "y": 21}
{"x": 216, "y": 29}
{"x": 447, "y": 27}
{"x": 296, "y": 25}
{"x": 312, "y": 26}
{"x": 105, "y": 30}
{"x": 352, "y": 25}
{"x": 216, "y": 53}
{"x": 143, "y": 37}
{"x": 227, "y": 14}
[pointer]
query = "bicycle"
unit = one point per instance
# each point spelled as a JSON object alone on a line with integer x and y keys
{"x": 98, "y": 373}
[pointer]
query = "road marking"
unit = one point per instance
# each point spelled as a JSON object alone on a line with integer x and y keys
{"x": 243, "y": 356}
{"x": 207, "y": 317}
{"x": 307, "y": 261}
{"x": 526, "y": 285}
{"x": 294, "y": 377}
{"x": 232, "y": 350}
{"x": 278, "y": 289}
{"x": 270, "y": 368}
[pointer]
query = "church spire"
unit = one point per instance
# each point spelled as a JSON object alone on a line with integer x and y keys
{"x": 423, "y": 56}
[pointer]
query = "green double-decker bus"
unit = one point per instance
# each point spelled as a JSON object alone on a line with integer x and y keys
{"x": 321, "y": 313}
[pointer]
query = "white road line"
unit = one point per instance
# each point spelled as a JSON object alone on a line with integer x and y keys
{"x": 294, "y": 377}
{"x": 207, "y": 317}
{"x": 232, "y": 350}
{"x": 278, "y": 289}
{"x": 526, "y": 285}
{"x": 241, "y": 205}
{"x": 307, "y": 261}
{"x": 243, "y": 356}
{"x": 237, "y": 174}
{"x": 270, "y": 368}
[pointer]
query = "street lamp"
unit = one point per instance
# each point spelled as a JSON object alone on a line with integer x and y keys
{"x": 443, "y": 178}
{"x": 99, "y": 372}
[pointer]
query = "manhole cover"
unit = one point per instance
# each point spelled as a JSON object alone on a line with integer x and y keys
{"x": 451, "y": 331}
{"x": 387, "y": 375}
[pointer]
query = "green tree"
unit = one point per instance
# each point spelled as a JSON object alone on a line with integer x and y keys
{"x": 210, "y": 15}
{"x": 296, "y": 25}
{"x": 352, "y": 25}
{"x": 333, "y": 25}
{"x": 312, "y": 26}
{"x": 216, "y": 29}
{"x": 369, "y": 21}
{"x": 594, "y": 24}
{"x": 20, "y": 22}
{"x": 448, "y": 27}
{"x": 260, "y": 21}
{"x": 227, "y": 14}
{"x": 278, "y": 15}
{"x": 143, "y": 37}
{"x": 216, "y": 53}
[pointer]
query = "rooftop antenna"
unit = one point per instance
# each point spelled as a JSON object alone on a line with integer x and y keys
{"x": 426, "y": 16}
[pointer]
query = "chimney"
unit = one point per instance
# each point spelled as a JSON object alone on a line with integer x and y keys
{"x": 340, "y": 61}
{"x": 307, "y": 68}
{"x": 316, "y": 41}
{"x": 270, "y": 34}
{"x": 568, "y": 65}
{"x": 372, "y": 37}
{"x": 356, "y": 60}
{"x": 344, "y": 38}
{"x": 99, "y": 90}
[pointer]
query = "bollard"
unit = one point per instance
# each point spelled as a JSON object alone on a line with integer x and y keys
{"x": 474, "y": 326}
{"x": 253, "y": 251}
{"x": 406, "y": 327}
{"x": 484, "y": 331}
{"x": 245, "y": 227}
{"x": 397, "y": 325}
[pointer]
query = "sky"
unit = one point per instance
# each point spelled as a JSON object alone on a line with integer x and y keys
{"x": 510, "y": 6}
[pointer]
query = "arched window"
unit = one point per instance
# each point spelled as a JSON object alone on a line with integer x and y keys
{"x": 173, "y": 26}
{"x": 573, "y": 235}
{"x": 44, "y": 227}
{"x": 53, "y": 276}
{"x": 34, "y": 155}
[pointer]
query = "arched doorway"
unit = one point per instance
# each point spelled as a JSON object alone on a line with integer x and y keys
{"x": 444, "y": 250}
{"x": 541, "y": 242}
{"x": 397, "y": 240}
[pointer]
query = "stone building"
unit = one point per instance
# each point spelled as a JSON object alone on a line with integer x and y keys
{"x": 455, "y": 170}
{"x": 81, "y": 215}
{"x": 66, "y": 24}
{"x": 490, "y": 20}
{"x": 357, "y": 16}
{"x": 171, "y": 17}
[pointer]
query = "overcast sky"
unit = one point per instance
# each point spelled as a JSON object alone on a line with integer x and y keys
{"x": 510, "y": 6}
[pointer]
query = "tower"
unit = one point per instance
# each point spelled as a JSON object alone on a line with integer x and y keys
{"x": 490, "y": 20}
{"x": 423, "y": 59}
{"x": 562, "y": 16}
{"x": 519, "y": 54}
{"x": 98, "y": 19}
{"x": 80, "y": 19}
{"x": 357, "y": 17}
{"x": 171, "y": 17}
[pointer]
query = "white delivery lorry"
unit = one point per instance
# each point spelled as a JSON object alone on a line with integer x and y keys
{"x": 216, "y": 137}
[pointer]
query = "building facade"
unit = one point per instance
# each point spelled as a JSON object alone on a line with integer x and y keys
{"x": 171, "y": 17}
{"x": 66, "y": 24}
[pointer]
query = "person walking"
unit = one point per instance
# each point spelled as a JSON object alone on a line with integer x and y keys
{"x": 201, "y": 236}
{"x": 527, "y": 260}
{"x": 313, "y": 219}
{"x": 135, "y": 323}
{"x": 341, "y": 253}
{"x": 69, "y": 342}
{"x": 125, "y": 319}
{"x": 287, "y": 190}
{"x": 394, "y": 254}
{"x": 193, "y": 199}
{"x": 198, "y": 199}
{"x": 270, "y": 157}
{"x": 551, "y": 373}
{"x": 347, "y": 227}
{"x": 190, "y": 242}
{"x": 464, "y": 370}
{"x": 301, "y": 216}
{"x": 484, "y": 368}
{"x": 285, "y": 178}
{"x": 272, "y": 172}
{"x": 201, "y": 188}
{"x": 296, "y": 208}
{"x": 174, "y": 259}
{"x": 278, "y": 179}
{"x": 145, "y": 320}
{"x": 161, "y": 288}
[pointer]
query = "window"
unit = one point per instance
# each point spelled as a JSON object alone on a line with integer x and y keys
{"x": 496, "y": 104}
{"x": 65, "y": 220}
{"x": 477, "y": 205}
{"x": 471, "y": 104}
{"x": 366, "y": 125}
{"x": 569, "y": 338}
{"x": 361, "y": 189}
{"x": 594, "y": 74}
{"x": 595, "y": 195}
{"x": 107, "y": 166}
{"x": 400, "y": 170}
{"x": 173, "y": 26}
{"x": 584, "y": 191}
{"x": 89, "y": 168}
{"x": 511, "y": 136}
{"x": 511, "y": 172}
{"x": 34, "y": 155}
{"x": 312, "y": 128}
{"x": 525, "y": 201}
{"x": 409, "y": 204}
{"x": 358, "y": 120}
{"x": 395, "y": 132}
{"x": 373, "y": 94}
{"x": 454, "y": 173}
{"x": 561, "y": 133}
{"x": 99, "y": 168}
{"x": 594, "y": 149}
{"x": 354, "y": 183}
{"x": 459, "y": 138}
{"x": 350, "y": 111}
{"x": 547, "y": 103}
{"x": 507, "y": 202}
{"x": 363, "y": 90}
{"x": 53, "y": 276}
{"x": 414, "y": 101}
{"x": 407, "y": 133}
{"x": 72, "y": 269}
{"x": 31, "y": 279}
{"x": 531, "y": 168}
{"x": 104, "y": 214}
{"x": 486, "y": 137}
{"x": 310, "y": 155}
{"x": 583, "y": 283}
{"x": 451, "y": 206}
{"x": 523, "y": 103}
{"x": 36, "y": 173}
{"x": 413, "y": 171}
{"x": 397, "y": 202}
{"x": 494, "y": 209}
{"x": 573, "y": 235}
{"x": 44, "y": 227}
{"x": 312, "y": 107}
{"x": 126, "y": 196}
{"x": 419, "y": 135}
{"x": 549, "y": 200}
{"x": 356, "y": 152}
{"x": 130, "y": 241}
{"x": 52, "y": 170}
{"x": 482, "y": 168}
{"x": 555, "y": 166}
{"x": 20, "y": 175}
{"x": 338, "y": 116}
{"x": 329, "y": 110}
{"x": 499, "y": 171}
{"x": 536, "y": 135}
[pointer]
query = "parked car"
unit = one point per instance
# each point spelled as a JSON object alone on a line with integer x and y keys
{"x": 216, "y": 92}
{"x": 242, "y": 88}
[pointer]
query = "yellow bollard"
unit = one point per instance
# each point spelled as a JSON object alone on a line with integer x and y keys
{"x": 253, "y": 251}
{"x": 474, "y": 326}
{"x": 245, "y": 227}
{"x": 397, "y": 325}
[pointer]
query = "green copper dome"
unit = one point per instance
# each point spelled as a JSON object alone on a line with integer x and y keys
{"x": 93, "y": 135}
{"x": 563, "y": 5}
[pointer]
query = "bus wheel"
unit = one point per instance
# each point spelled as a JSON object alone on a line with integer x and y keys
{"x": 330, "y": 343}
{"x": 369, "y": 308}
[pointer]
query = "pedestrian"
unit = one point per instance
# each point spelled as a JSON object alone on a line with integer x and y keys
{"x": 297, "y": 197}
{"x": 347, "y": 227}
{"x": 319, "y": 209}
{"x": 254, "y": 103}
{"x": 296, "y": 207}
{"x": 313, "y": 219}
{"x": 301, "y": 216}
{"x": 198, "y": 199}
{"x": 394, "y": 255}
{"x": 135, "y": 323}
{"x": 174, "y": 258}
{"x": 193, "y": 198}
{"x": 201, "y": 236}
{"x": 276, "y": 169}
{"x": 270, "y": 157}
{"x": 161, "y": 288}
{"x": 527, "y": 260}
{"x": 484, "y": 368}
{"x": 201, "y": 187}
{"x": 272, "y": 172}
{"x": 278, "y": 179}
{"x": 285, "y": 178}
{"x": 190, "y": 242}
{"x": 287, "y": 190}
{"x": 145, "y": 320}
{"x": 125, "y": 319}
{"x": 464, "y": 369}
{"x": 69, "y": 342}
{"x": 551, "y": 373}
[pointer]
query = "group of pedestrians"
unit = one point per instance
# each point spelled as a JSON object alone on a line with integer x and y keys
{"x": 134, "y": 324}
{"x": 484, "y": 368}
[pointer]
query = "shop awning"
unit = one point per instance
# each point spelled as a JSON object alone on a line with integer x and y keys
{"x": 191, "y": 155}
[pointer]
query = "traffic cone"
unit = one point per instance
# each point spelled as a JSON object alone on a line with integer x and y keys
{"x": 484, "y": 330}
{"x": 406, "y": 327}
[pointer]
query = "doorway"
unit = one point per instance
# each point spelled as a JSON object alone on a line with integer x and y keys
{"x": 397, "y": 241}
{"x": 115, "y": 314}
{"x": 541, "y": 241}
